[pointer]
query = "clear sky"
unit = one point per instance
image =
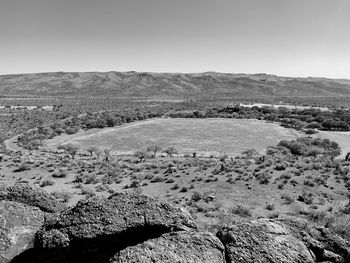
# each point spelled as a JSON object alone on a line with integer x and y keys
{"x": 282, "y": 37}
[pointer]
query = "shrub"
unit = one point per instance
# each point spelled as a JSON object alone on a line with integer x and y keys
{"x": 22, "y": 167}
{"x": 157, "y": 179}
{"x": 241, "y": 211}
{"x": 196, "y": 197}
{"x": 47, "y": 183}
{"x": 184, "y": 189}
{"x": 169, "y": 181}
{"x": 270, "y": 206}
{"x": 59, "y": 173}
{"x": 287, "y": 199}
{"x": 64, "y": 196}
{"x": 175, "y": 187}
{"x": 87, "y": 192}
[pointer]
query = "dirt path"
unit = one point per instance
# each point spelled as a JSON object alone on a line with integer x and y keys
{"x": 11, "y": 144}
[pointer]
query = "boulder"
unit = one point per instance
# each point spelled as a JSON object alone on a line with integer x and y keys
{"x": 31, "y": 195}
{"x": 325, "y": 245}
{"x": 181, "y": 247}
{"x": 99, "y": 227}
{"x": 263, "y": 241}
{"x": 18, "y": 226}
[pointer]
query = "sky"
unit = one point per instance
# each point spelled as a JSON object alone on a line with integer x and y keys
{"x": 282, "y": 37}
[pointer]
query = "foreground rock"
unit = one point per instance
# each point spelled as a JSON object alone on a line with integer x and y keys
{"x": 18, "y": 226}
{"x": 178, "y": 247}
{"x": 286, "y": 240}
{"x": 324, "y": 244}
{"x": 31, "y": 195}
{"x": 95, "y": 229}
{"x": 135, "y": 228}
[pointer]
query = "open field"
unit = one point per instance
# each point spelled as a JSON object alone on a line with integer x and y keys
{"x": 204, "y": 136}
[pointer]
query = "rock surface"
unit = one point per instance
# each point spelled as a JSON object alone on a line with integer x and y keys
{"x": 131, "y": 228}
{"x": 325, "y": 245}
{"x": 283, "y": 240}
{"x": 98, "y": 227}
{"x": 181, "y": 247}
{"x": 263, "y": 240}
{"x": 18, "y": 226}
{"x": 31, "y": 195}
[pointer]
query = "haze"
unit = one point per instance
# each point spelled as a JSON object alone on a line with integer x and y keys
{"x": 282, "y": 37}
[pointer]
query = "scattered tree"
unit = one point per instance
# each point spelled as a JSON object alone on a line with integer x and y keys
{"x": 154, "y": 149}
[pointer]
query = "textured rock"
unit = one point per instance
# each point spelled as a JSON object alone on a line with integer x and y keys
{"x": 31, "y": 195}
{"x": 326, "y": 245}
{"x": 181, "y": 247}
{"x": 100, "y": 227}
{"x": 18, "y": 225}
{"x": 263, "y": 241}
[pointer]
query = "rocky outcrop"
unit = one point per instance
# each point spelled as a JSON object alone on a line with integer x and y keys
{"x": 97, "y": 228}
{"x": 178, "y": 247}
{"x": 283, "y": 240}
{"x": 32, "y": 196}
{"x": 130, "y": 228}
{"x": 263, "y": 241}
{"x": 18, "y": 226}
{"x": 324, "y": 244}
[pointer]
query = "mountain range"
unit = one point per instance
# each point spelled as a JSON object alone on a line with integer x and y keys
{"x": 141, "y": 84}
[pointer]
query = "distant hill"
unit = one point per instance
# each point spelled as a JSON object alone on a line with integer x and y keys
{"x": 134, "y": 84}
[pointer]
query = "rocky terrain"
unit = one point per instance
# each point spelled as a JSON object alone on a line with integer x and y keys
{"x": 134, "y": 84}
{"x": 128, "y": 227}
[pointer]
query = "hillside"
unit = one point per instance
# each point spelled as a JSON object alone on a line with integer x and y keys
{"x": 133, "y": 84}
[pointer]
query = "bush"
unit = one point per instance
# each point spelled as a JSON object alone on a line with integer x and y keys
{"x": 270, "y": 206}
{"x": 47, "y": 183}
{"x": 22, "y": 167}
{"x": 157, "y": 179}
{"x": 59, "y": 173}
{"x": 184, "y": 189}
{"x": 241, "y": 211}
{"x": 63, "y": 196}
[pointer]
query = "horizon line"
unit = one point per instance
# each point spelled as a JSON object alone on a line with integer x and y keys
{"x": 174, "y": 73}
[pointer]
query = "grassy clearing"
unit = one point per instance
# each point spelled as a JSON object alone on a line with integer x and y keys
{"x": 204, "y": 136}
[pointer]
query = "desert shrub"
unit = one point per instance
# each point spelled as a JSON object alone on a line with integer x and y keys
{"x": 87, "y": 192}
{"x": 22, "y": 167}
{"x": 285, "y": 176}
{"x": 94, "y": 150}
{"x": 102, "y": 188}
{"x": 134, "y": 184}
{"x": 273, "y": 215}
{"x": 287, "y": 199}
{"x": 169, "y": 181}
{"x": 175, "y": 187}
{"x": 241, "y": 211}
{"x": 309, "y": 183}
{"x": 316, "y": 216}
{"x": 63, "y": 196}
{"x": 264, "y": 178}
{"x": 280, "y": 167}
{"x": 196, "y": 197}
{"x": 47, "y": 182}
{"x": 157, "y": 179}
{"x": 184, "y": 189}
{"x": 270, "y": 206}
{"x": 293, "y": 182}
{"x": 59, "y": 173}
{"x": 307, "y": 198}
{"x": 90, "y": 179}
